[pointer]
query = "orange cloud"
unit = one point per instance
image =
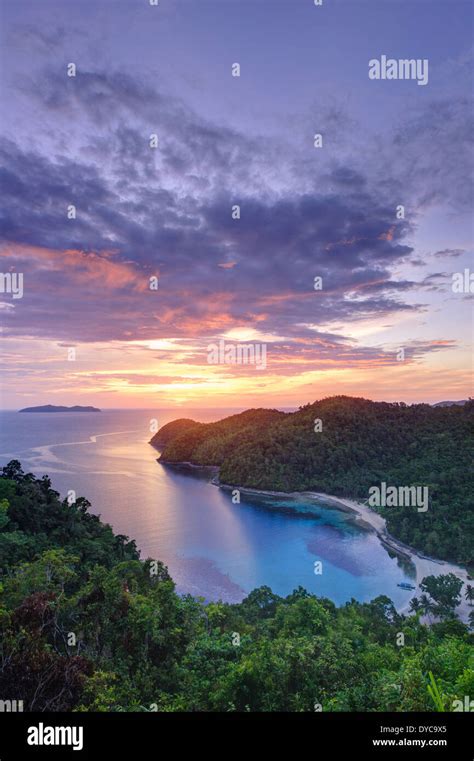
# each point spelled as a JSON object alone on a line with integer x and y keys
{"x": 83, "y": 268}
{"x": 388, "y": 235}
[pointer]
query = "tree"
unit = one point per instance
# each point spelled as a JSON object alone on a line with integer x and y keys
{"x": 13, "y": 471}
{"x": 415, "y": 605}
{"x": 469, "y": 593}
{"x": 138, "y": 644}
{"x": 4, "y": 505}
{"x": 444, "y": 592}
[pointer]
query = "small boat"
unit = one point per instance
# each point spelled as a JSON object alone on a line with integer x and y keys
{"x": 405, "y": 585}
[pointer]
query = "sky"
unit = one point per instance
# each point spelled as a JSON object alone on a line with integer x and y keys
{"x": 385, "y": 322}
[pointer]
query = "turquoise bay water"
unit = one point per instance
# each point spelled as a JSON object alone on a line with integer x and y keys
{"x": 212, "y": 547}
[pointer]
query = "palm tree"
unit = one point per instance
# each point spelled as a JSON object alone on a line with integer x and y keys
{"x": 471, "y": 619}
{"x": 415, "y": 605}
{"x": 426, "y": 606}
{"x": 469, "y": 593}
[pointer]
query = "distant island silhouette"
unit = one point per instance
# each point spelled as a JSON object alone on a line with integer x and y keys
{"x": 54, "y": 408}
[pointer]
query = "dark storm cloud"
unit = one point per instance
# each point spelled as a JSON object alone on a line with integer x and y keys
{"x": 37, "y": 193}
{"x": 142, "y": 212}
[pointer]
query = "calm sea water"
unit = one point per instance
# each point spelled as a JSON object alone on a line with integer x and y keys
{"x": 212, "y": 547}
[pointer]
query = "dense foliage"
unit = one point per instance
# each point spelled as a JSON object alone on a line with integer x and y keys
{"x": 361, "y": 444}
{"x": 184, "y": 440}
{"x": 85, "y": 625}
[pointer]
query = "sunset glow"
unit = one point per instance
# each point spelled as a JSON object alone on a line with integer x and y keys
{"x": 234, "y": 216}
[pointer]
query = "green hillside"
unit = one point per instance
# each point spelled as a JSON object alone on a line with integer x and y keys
{"x": 361, "y": 444}
{"x": 185, "y": 440}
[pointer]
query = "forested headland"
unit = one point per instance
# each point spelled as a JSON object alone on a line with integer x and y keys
{"x": 343, "y": 446}
{"x": 85, "y": 625}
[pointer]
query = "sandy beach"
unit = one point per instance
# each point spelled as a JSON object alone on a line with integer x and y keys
{"x": 372, "y": 521}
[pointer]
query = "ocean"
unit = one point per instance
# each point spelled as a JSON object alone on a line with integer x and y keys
{"x": 213, "y": 548}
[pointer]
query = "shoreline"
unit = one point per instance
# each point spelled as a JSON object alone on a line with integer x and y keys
{"x": 368, "y": 520}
